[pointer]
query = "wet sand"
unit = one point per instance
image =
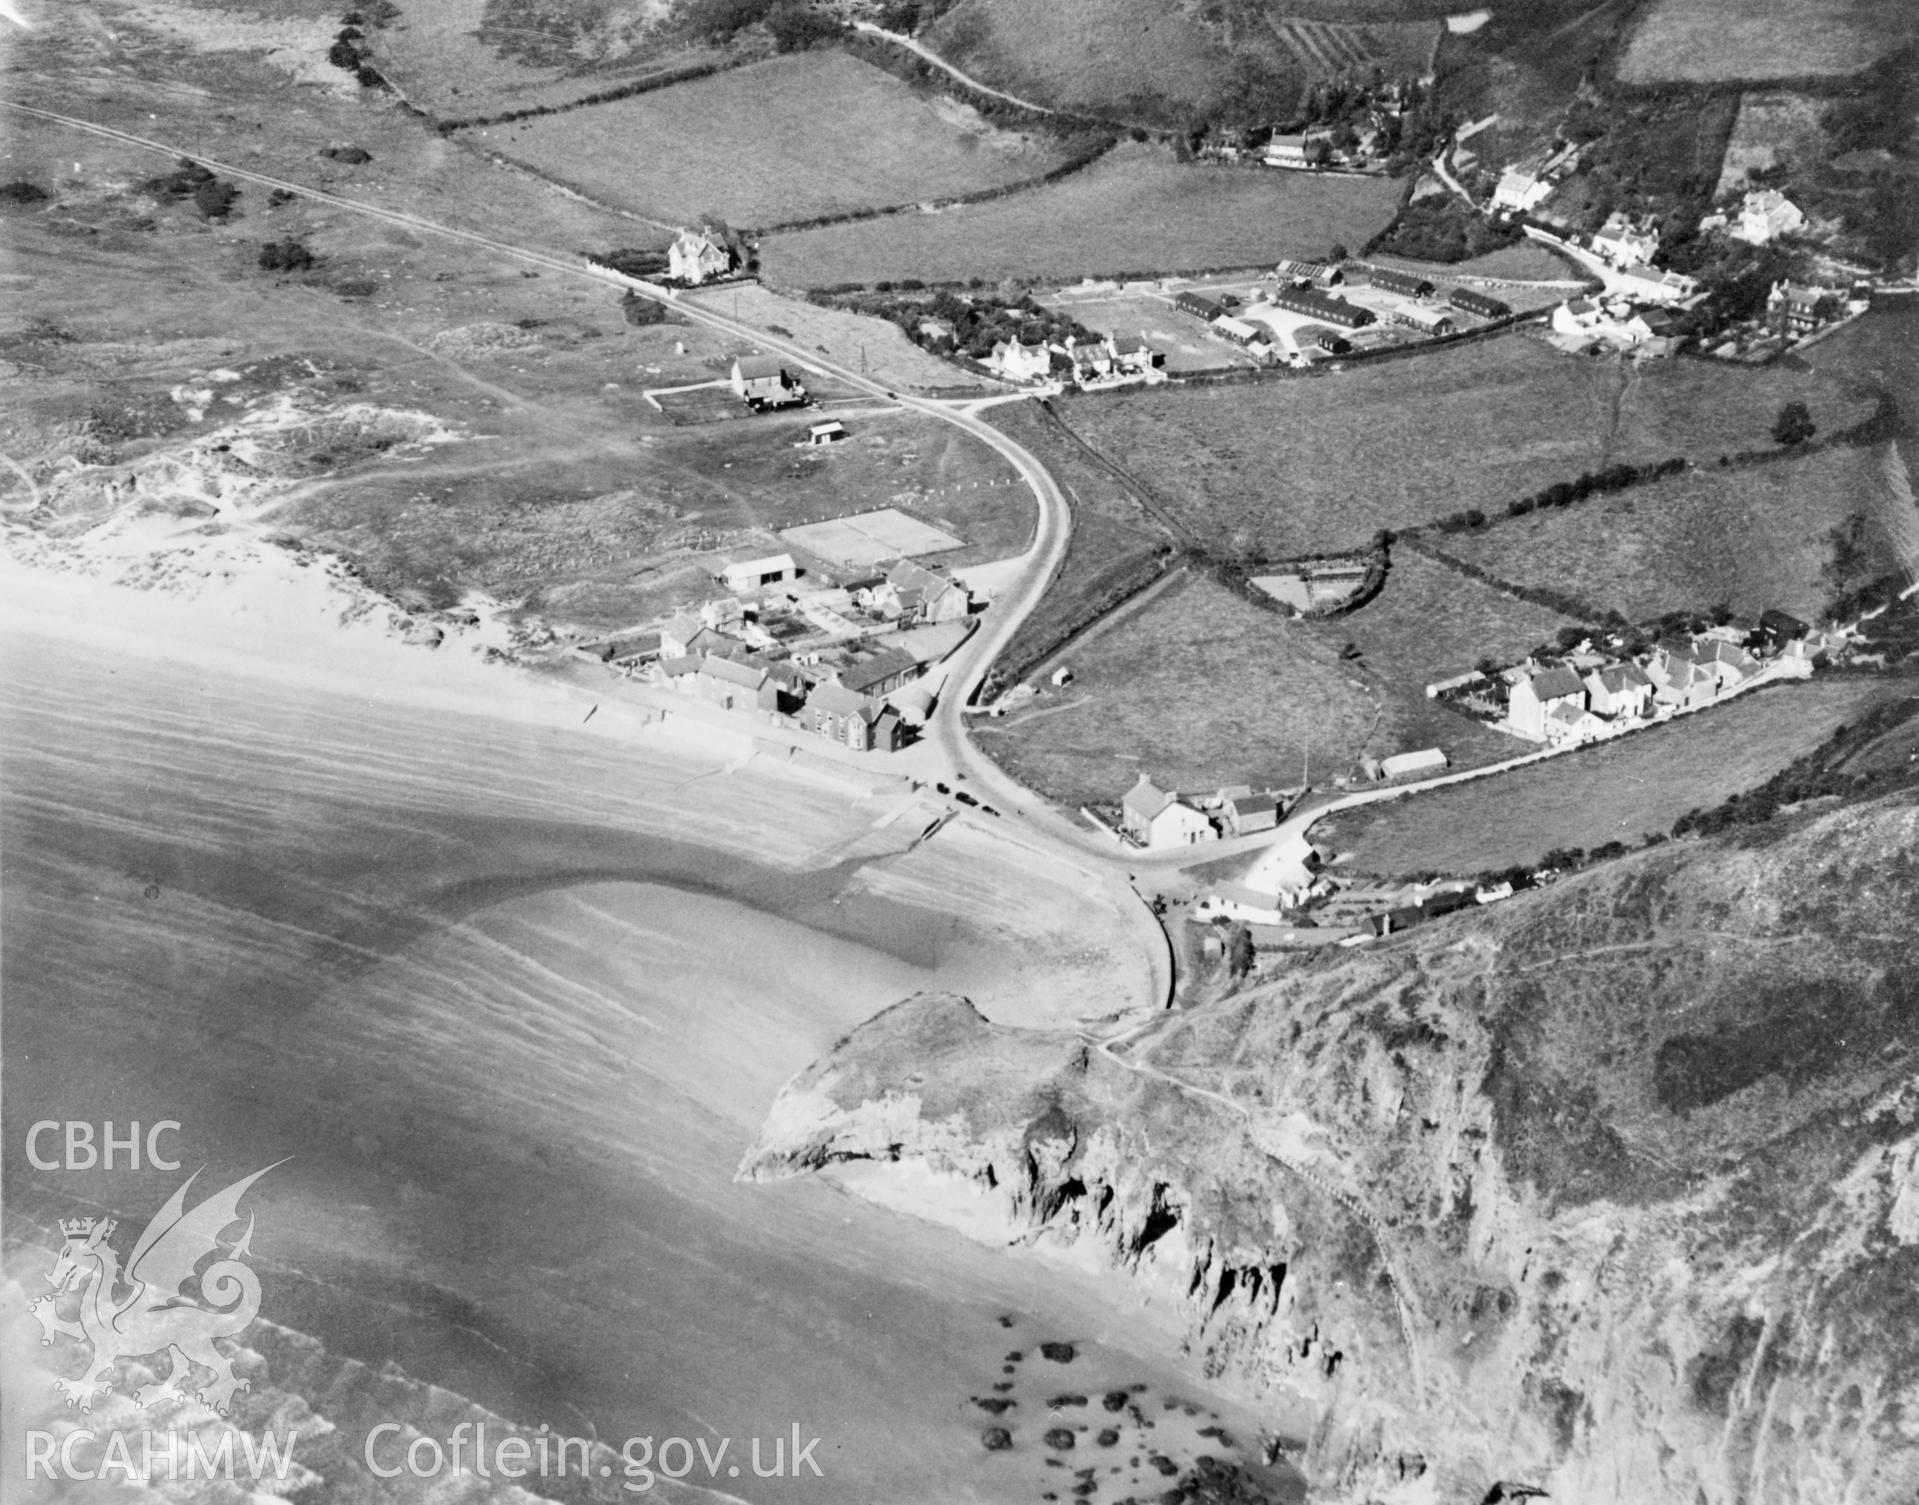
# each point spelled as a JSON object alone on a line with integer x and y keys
{"x": 515, "y": 1021}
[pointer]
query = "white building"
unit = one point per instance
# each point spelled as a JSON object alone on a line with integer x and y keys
{"x": 1765, "y": 216}
{"x": 1624, "y": 244}
{"x": 745, "y": 575}
{"x": 695, "y": 257}
{"x": 1520, "y": 188}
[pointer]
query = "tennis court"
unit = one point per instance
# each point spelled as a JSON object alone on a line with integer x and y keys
{"x": 870, "y": 537}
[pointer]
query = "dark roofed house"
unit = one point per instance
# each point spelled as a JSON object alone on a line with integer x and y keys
{"x": 877, "y": 673}
{"x": 1619, "y": 690}
{"x": 1778, "y": 629}
{"x": 733, "y": 686}
{"x": 1199, "y": 305}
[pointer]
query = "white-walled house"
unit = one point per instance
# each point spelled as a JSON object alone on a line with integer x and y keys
{"x": 1535, "y": 696}
{"x": 696, "y": 257}
{"x": 1621, "y": 691}
{"x": 1156, "y": 817}
{"x": 1765, "y": 216}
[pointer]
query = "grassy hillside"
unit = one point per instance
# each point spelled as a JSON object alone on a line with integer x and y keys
{"x": 1135, "y": 210}
{"x": 1621, "y": 1169}
{"x": 1791, "y": 535}
{"x": 808, "y": 134}
{"x": 1154, "y": 61}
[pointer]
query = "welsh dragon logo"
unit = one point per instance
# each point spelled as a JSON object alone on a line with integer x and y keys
{"x": 142, "y": 1310}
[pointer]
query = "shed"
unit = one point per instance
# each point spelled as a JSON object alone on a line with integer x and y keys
{"x": 829, "y": 432}
{"x": 743, "y": 575}
{"x": 1428, "y": 760}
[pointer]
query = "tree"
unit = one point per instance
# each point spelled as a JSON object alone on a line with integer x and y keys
{"x": 1794, "y": 425}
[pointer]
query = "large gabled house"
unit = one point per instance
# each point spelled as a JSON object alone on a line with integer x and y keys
{"x": 916, "y": 594}
{"x": 1766, "y": 215}
{"x": 696, "y": 257}
{"x": 843, "y": 715}
{"x": 1535, "y": 696}
{"x": 1156, "y": 817}
{"x": 873, "y": 674}
{"x": 1017, "y": 361}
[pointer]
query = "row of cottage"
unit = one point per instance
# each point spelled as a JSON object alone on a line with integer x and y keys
{"x": 1113, "y": 361}
{"x": 1588, "y": 697}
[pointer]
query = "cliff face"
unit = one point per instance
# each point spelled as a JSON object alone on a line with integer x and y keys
{"x": 1611, "y": 1191}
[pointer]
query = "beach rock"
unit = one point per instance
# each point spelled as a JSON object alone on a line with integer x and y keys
{"x": 1054, "y": 1403}
{"x": 1107, "y": 1437}
{"x": 1060, "y": 1439}
{"x": 1059, "y": 1353}
{"x": 1115, "y": 1400}
{"x": 996, "y": 1439}
{"x": 994, "y": 1405}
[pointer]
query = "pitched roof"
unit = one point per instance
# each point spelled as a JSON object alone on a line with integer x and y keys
{"x": 1146, "y": 799}
{"x": 836, "y": 698}
{"x": 1567, "y": 712}
{"x": 1253, "y": 804}
{"x": 759, "y": 366}
{"x": 1550, "y": 684}
{"x": 1622, "y": 677}
{"x": 886, "y": 664}
{"x": 747, "y": 676}
{"x": 675, "y": 667}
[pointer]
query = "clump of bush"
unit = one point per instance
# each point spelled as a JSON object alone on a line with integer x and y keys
{"x": 23, "y": 193}
{"x": 287, "y": 255}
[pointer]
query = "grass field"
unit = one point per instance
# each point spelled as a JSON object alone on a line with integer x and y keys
{"x": 1290, "y": 467}
{"x": 1431, "y": 623}
{"x": 1752, "y": 538}
{"x": 1617, "y": 791}
{"x": 1135, "y": 210}
{"x": 794, "y": 137}
{"x": 1708, "y": 41}
{"x": 1198, "y": 688}
{"x": 1125, "y": 59}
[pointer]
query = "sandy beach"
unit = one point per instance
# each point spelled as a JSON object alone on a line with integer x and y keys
{"x": 512, "y": 988}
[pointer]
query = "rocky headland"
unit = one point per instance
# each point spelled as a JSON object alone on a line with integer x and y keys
{"x": 1606, "y": 1193}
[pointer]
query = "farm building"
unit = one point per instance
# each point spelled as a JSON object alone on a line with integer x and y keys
{"x": 1245, "y": 812}
{"x": 1408, "y": 283}
{"x": 696, "y": 257}
{"x": 743, "y": 575}
{"x": 829, "y": 432}
{"x": 1237, "y": 330}
{"x": 1134, "y": 355}
{"x": 1486, "y": 306}
{"x": 1155, "y": 817}
{"x": 766, "y": 381}
{"x": 1534, "y": 698}
{"x": 1777, "y": 628}
{"x": 1313, "y": 273}
{"x": 1399, "y": 765}
{"x": 1317, "y": 305}
{"x": 1332, "y": 344}
{"x": 1431, "y": 321}
{"x": 1199, "y": 305}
